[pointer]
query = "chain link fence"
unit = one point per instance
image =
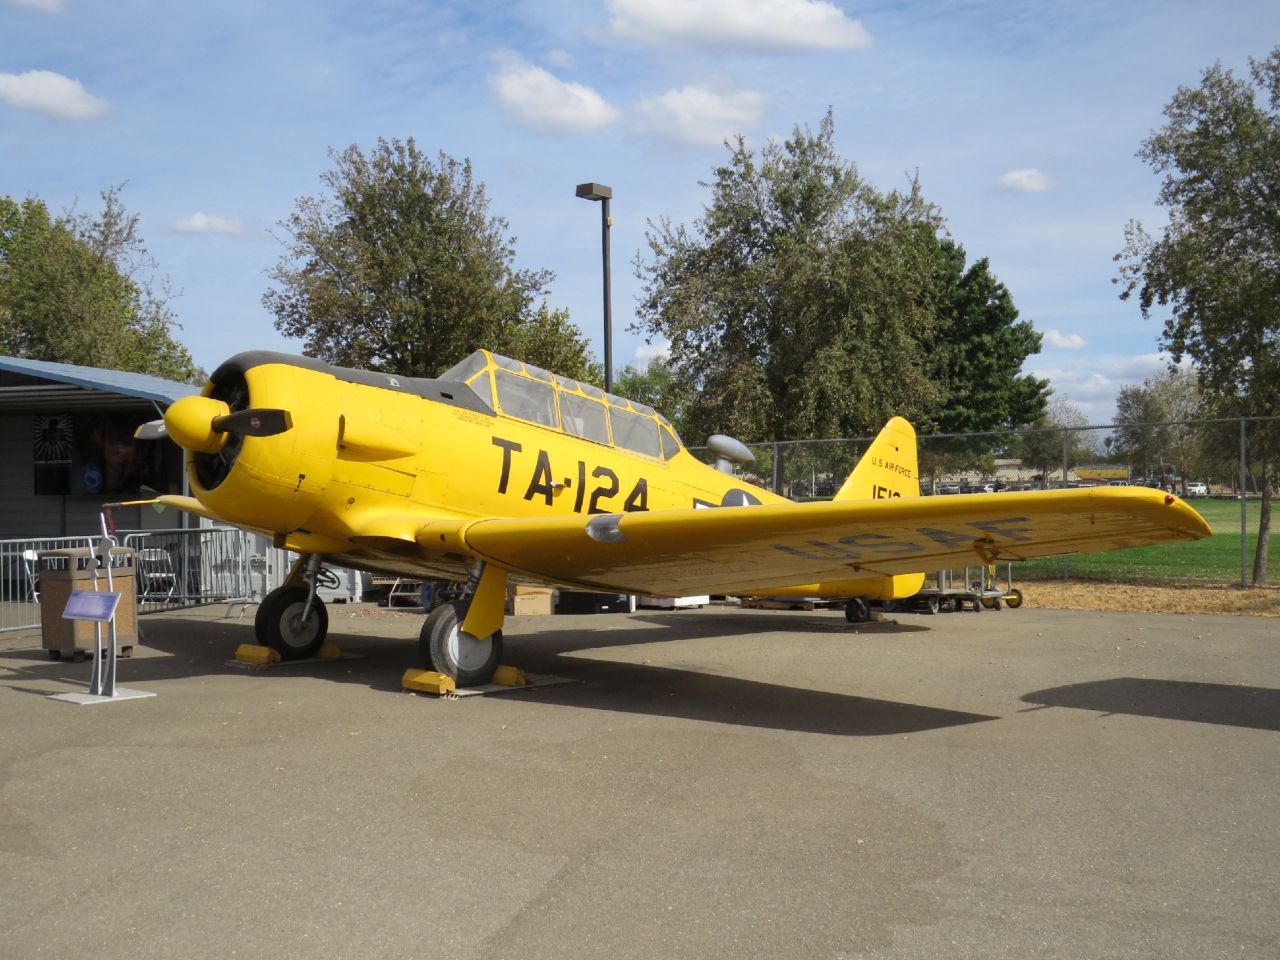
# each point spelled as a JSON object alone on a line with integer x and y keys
{"x": 1218, "y": 465}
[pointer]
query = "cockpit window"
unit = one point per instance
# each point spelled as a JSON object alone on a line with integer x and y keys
{"x": 482, "y": 386}
{"x": 535, "y": 395}
{"x": 584, "y": 417}
{"x": 670, "y": 443}
{"x": 464, "y": 370}
{"x": 634, "y": 432}
{"x": 526, "y": 399}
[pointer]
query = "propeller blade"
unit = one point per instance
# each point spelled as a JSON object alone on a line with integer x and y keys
{"x": 151, "y": 430}
{"x": 254, "y": 422}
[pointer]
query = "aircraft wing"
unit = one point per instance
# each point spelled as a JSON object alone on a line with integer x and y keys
{"x": 744, "y": 549}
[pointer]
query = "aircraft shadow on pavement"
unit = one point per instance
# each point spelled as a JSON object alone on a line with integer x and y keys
{"x": 1220, "y": 703}
{"x": 201, "y": 648}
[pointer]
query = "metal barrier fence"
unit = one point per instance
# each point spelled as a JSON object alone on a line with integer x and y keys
{"x": 174, "y": 568}
{"x": 179, "y": 568}
{"x": 19, "y": 588}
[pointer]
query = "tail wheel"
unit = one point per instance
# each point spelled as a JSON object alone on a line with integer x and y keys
{"x": 1013, "y": 599}
{"x": 857, "y": 610}
{"x": 933, "y": 604}
{"x": 279, "y": 623}
{"x": 448, "y": 649}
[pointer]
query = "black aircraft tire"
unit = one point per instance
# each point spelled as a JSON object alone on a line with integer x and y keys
{"x": 1013, "y": 599}
{"x": 857, "y": 610}
{"x": 277, "y": 623}
{"x": 446, "y": 649}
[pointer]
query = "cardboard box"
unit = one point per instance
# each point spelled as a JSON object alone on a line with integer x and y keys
{"x": 529, "y": 601}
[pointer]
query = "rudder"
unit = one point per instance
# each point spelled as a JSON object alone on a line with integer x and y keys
{"x": 889, "y": 468}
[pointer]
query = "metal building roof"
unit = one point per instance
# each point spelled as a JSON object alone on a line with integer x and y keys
{"x": 41, "y": 386}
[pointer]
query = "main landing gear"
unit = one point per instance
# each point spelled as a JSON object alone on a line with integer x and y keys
{"x": 447, "y": 648}
{"x": 463, "y": 638}
{"x": 291, "y": 619}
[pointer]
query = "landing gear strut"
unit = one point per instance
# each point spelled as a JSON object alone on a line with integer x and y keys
{"x": 291, "y": 619}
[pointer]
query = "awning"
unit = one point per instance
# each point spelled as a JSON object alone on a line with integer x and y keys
{"x": 40, "y": 386}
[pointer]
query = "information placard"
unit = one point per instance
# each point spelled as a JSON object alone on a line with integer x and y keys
{"x": 90, "y": 605}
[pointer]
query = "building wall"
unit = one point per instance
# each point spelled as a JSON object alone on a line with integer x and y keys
{"x": 23, "y": 514}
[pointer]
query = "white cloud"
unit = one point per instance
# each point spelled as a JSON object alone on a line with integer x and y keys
{"x": 1028, "y": 180}
{"x": 43, "y": 91}
{"x": 560, "y": 58}
{"x": 200, "y": 222}
{"x": 1064, "y": 341}
{"x": 44, "y": 6}
{"x": 1093, "y": 387}
{"x": 700, "y": 115}
{"x": 539, "y": 100}
{"x": 766, "y": 25}
{"x": 646, "y": 353}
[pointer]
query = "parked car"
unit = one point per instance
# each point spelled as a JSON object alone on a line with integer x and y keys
{"x": 1197, "y": 489}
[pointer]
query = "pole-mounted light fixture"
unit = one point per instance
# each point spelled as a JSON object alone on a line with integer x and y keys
{"x": 598, "y": 191}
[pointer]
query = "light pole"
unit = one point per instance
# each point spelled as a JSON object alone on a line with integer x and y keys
{"x": 598, "y": 191}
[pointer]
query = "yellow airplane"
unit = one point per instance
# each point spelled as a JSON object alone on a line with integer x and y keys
{"x": 501, "y": 470}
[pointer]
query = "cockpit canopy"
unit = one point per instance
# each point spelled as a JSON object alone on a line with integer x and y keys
{"x": 525, "y": 392}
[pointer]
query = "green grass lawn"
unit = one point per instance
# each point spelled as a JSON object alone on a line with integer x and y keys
{"x": 1213, "y": 560}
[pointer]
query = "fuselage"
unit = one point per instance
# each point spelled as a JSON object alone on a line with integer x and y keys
{"x": 370, "y": 457}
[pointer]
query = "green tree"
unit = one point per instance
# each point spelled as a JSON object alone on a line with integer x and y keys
{"x": 799, "y": 305}
{"x": 657, "y": 385}
{"x": 400, "y": 267}
{"x": 1216, "y": 265}
{"x": 805, "y": 303}
{"x": 1140, "y": 435}
{"x": 979, "y": 347}
{"x": 1042, "y": 447}
{"x": 77, "y": 289}
{"x": 977, "y": 353}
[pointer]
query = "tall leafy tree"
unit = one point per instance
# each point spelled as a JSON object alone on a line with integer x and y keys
{"x": 1141, "y": 435}
{"x": 799, "y": 305}
{"x": 78, "y": 289}
{"x": 979, "y": 347}
{"x": 1215, "y": 267}
{"x": 977, "y": 352}
{"x": 401, "y": 267}
{"x": 1056, "y": 433}
{"x": 806, "y": 303}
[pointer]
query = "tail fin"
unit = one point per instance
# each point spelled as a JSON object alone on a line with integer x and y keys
{"x": 888, "y": 468}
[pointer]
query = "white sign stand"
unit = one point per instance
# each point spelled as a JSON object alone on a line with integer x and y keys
{"x": 99, "y": 607}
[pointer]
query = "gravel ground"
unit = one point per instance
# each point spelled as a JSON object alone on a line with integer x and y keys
{"x": 1146, "y": 598}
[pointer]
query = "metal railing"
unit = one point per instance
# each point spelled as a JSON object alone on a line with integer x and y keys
{"x": 178, "y": 568}
{"x": 174, "y": 568}
{"x": 19, "y": 587}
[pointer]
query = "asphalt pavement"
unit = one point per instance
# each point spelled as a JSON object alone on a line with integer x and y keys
{"x": 711, "y": 783}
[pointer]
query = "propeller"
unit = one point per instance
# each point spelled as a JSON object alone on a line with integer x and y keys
{"x": 265, "y": 422}
{"x": 204, "y": 424}
{"x": 254, "y": 422}
{"x": 151, "y": 430}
